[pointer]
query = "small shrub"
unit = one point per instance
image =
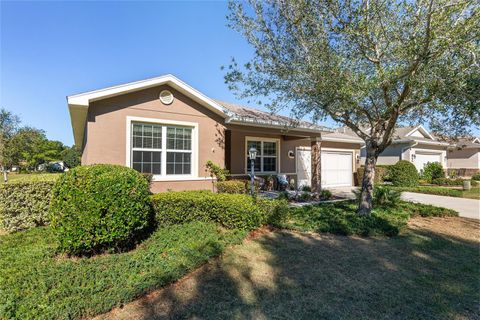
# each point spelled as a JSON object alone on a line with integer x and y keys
{"x": 403, "y": 174}
{"x": 231, "y": 186}
{"x": 216, "y": 171}
{"x": 476, "y": 176}
{"x": 306, "y": 188}
{"x": 25, "y": 204}
{"x": 284, "y": 195}
{"x": 232, "y": 211}
{"x": 325, "y": 194}
{"x": 100, "y": 207}
{"x": 381, "y": 174}
{"x": 304, "y": 197}
{"x": 432, "y": 171}
{"x": 384, "y": 196}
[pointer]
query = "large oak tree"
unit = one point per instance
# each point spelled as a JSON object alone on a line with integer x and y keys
{"x": 369, "y": 65}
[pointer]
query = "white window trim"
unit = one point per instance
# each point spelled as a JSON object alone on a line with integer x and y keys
{"x": 262, "y": 139}
{"x": 164, "y": 176}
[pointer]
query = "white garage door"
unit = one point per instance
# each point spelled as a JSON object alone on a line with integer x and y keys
{"x": 421, "y": 159}
{"x": 336, "y": 168}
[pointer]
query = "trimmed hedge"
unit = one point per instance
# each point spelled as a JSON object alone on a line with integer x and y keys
{"x": 24, "y": 204}
{"x": 381, "y": 174}
{"x": 100, "y": 207}
{"x": 232, "y": 211}
{"x": 448, "y": 182}
{"x": 231, "y": 186}
{"x": 404, "y": 174}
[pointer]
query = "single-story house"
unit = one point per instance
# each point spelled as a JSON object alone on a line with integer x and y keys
{"x": 414, "y": 144}
{"x": 164, "y": 127}
{"x": 463, "y": 156}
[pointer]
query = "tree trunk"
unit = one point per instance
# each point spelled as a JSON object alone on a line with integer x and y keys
{"x": 366, "y": 197}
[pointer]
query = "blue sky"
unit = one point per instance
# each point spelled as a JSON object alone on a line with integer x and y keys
{"x": 53, "y": 49}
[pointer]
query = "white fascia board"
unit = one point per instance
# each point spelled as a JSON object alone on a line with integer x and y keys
{"x": 353, "y": 140}
{"x": 435, "y": 143}
{"x": 272, "y": 124}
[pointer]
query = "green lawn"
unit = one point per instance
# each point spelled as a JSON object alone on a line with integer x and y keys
{"x": 36, "y": 283}
{"x": 342, "y": 218}
{"x": 18, "y": 177}
{"x": 428, "y": 272}
{"x": 474, "y": 193}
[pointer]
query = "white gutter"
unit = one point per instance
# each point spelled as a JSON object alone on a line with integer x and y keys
{"x": 435, "y": 143}
{"x": 342, "y": 140}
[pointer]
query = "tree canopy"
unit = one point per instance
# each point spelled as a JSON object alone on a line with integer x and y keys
{"x": 367, "y": 64}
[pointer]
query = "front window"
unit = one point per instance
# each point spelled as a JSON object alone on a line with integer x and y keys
{"x": 161, "y": 150}
{"x": 147, "y": 148}
{"x": 266, "y": 160}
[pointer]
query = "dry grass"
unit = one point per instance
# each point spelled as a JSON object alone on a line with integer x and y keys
{"x": 429, "y": 272}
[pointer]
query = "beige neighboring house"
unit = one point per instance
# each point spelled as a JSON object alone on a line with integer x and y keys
{"x": 414, "y": 144}
{"x": 464, "y": 157}
{"x": 164, "y": 127}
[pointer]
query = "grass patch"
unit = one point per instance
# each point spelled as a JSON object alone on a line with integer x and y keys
{"x": 473, "y": 193}
{"x": 429, "y": 272}
{"x": 36, "y": 283}
{"x": 342, "y": 218}
{"x": 23, "y": 177}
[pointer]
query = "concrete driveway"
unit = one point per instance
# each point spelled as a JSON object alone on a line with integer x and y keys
{"x": 467, "y": 208}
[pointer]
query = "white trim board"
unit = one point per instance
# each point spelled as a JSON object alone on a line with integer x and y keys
{"x": 164, "y": 176}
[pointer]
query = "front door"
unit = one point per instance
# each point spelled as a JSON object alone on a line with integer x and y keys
{"x": 304, "y": 168}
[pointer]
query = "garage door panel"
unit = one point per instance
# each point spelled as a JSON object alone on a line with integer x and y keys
{"x": 421, "y": 159}
{"x": 336, "y": 168}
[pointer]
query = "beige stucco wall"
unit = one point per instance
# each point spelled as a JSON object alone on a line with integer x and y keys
{"x": 464, "y": 158}
{"x": 106, "y": 129}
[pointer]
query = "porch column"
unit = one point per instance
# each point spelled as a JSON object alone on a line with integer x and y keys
{"x": 316, "y": 163}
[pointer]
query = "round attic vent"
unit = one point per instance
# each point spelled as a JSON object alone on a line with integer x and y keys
{"x": 166, "y": 97}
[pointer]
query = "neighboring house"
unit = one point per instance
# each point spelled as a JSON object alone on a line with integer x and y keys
{"x": 414, "y": 144}
{"x": 164, "y": 127}
{"x": 464, "y": 157}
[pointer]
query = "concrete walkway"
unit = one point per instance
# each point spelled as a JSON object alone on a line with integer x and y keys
{"x": 467, "y": 208}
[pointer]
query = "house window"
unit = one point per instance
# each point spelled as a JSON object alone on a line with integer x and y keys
{"x": 147, "y": 148}
{"x": 179, "y": 150}
{"x": 267, "y": 151}
{"x": 161, "y": 150}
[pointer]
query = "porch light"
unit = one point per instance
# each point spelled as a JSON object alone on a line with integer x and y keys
{"x": 252, "y": 155}
{"x": 413, "y": 157}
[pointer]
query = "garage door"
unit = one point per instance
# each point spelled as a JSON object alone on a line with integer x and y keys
{"x": 421, "y": 159}
{"x": 336, "y": 168}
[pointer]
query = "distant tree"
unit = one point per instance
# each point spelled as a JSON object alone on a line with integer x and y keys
{"x": 367, "y": 64}
{"x": 31, "y": 147}
{"x": 8, "y": 126}
{"x": 71, "y": 157}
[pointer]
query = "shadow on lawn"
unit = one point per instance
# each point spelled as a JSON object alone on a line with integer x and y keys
{"x": 287, "y": 275}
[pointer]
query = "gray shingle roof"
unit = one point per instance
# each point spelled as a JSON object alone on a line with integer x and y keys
{"x": 254, "y": 116}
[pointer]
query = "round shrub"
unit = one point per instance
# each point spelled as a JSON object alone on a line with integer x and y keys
{"x": 403, "y": 174}
{"x": 231, "y": 186}
{"x": 100, "y": 207}
{"x": 432, "y": 171}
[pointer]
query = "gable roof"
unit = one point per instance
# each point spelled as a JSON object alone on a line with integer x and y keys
{"x": 78, "y": 105}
